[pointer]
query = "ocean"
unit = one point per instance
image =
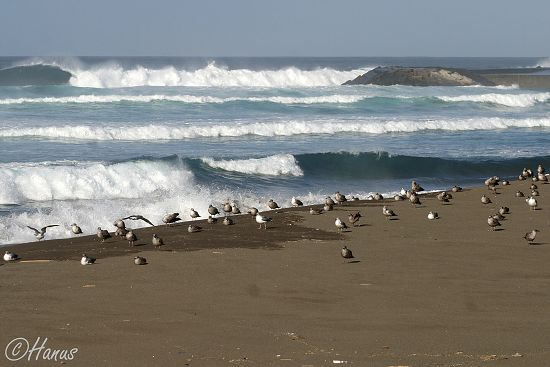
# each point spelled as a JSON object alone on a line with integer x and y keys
{"x": 153, "y": 135}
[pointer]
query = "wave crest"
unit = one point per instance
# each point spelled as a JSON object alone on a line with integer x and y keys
{"x": 275, "y": 165}
{"x": 510, "y": 100}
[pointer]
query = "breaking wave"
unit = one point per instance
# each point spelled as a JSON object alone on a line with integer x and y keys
{"x": 264, "y": 129}
{"x": 511, "y": 100}
{"x": 275, "y": 165}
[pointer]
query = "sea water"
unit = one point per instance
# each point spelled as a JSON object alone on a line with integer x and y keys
{"x": 155, "y": 135}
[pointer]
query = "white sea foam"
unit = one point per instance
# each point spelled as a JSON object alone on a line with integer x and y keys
{"x": 275, "y": 165}
{"x": 91, "y": 98}
{"x": 20, "y": 183}
{"x": 212, "y": 75}
{"x": 511, "y": 100}
{"x": 266, "y": 129}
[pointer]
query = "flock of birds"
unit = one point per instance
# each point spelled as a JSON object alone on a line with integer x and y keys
{"x": 353, "y": 218}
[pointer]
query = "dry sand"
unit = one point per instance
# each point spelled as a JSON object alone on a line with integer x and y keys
{"x": 448, "y": 292}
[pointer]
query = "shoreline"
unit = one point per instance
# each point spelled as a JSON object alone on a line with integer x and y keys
{"x": 420, "y": 292}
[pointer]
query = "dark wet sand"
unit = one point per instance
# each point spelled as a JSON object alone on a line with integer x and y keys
{"x": 448, "y": 292}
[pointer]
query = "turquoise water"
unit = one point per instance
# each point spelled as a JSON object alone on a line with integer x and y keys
{"x": 154, "y": 135}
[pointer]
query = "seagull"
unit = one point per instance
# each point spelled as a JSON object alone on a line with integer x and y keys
{"x": 521, "y": 178}
{"x": 542, "y": 177}
{"x": 444, "y": 197}
{"x": 139, "y": 217}
{"x": 193, "y": 228}
{"x": 526, "y": 173}
{"x": 534, "y": 193}
{"x": 340, "y": 225}
{"x": 485, "y": 200}
{"x": 491, "y": 182}
{"x": 532, "y": 202}
{"x": 353, "y": 198}
{"x": 119, "y": 223}
{"x": 76, "y": 229}
{"x": 252, "y": 211}
{"x": 121, "y": 231}
{"x": 329, "y": 201}
{"x": 456, "y": 189}
{"x": 433, "y": 215}
{"x": 313, "y": 211}
{"x": 40, "y": 234}
{"x": 328, "y": 207}
{"x": 10, "y": 256}
{"x": 272, "y": 205}
{"x": 194, "y": 214}
{"x": 415, "y": 187}
{"x": 138, "y": 260}
{"x": 211, "y": 219}
{"x": 340, "y": 198}
{"x": 533, "y": 186}
{"x": 378, "y": 196}
{"x": 157, "y": 241}
{"x": 540, "y": 169}
{"x": 261, "y": 219}
{"x": 399, "y": 197}
{"x": 519, "y": 194}
{"x": 498, "y": 216}
{"x": 493, "y": 222}
{"x": 414, "y": 199}
{"x": 171, "y": 218}
{"x": 227, "y": 208}
{"x": 131, "y": 237}
{"x": 504, "y": 210}
{"x": 388, "y": 213}
{"x": 505, "y": 183}
{"x": 103, "y": 234}
{"x": 530, "y": 236}
{"x": 227, "y": 221}
{"x": 234, "y": 209}
{"x": 354, "y": 218}
{"x": 346, "y": 253}
{"x": 296, "y": 202}
{"x": 212, "y": 210}
{"x": 86, "y": 260}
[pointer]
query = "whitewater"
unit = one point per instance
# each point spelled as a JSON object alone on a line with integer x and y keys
{"x": 154, "y": 135}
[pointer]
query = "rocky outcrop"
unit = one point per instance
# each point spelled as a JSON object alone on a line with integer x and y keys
{"x": 390, "y": 75}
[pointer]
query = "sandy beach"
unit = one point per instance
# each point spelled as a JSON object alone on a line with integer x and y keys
{"x": 446, "y": 292}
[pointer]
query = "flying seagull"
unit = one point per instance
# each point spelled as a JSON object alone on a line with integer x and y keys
{"x": 139, "y": 217}
{"x": 40, "y": 234}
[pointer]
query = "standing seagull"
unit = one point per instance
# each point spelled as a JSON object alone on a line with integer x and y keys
{"x": 328, "y": 207}
{"x": 234, "y": 209}
{"x": 329, "y": 201}
{"x": 194, "y": 214}
{"x": 354, "y": 218}
{"x": 157, "y": 241}
{"x": 296, "y": 202}
{"x": 414, "y": 199}
{"x": 532, "y": 202}
{"x": 388, "y": 213}
{"x": 212, "y": 210}
{"x": 415, "y": 187}
{"x": 340, "y": 198}
{"x": 40, "y": 234}
{"x": 211, "y": 219}
{"x": 340, "y": 225}
{"x": 131, "y": 237}
{"x": 86, "y": 260}
{"x": 346, "y": 253}
{"x": 76, "y": 229}
{"x": 10, "y": 256}
{"x": 530, "y": 236}
{"x": 227, "y": 221}
{"x": 121, "y": 231}
{"x": 493, "y": 222}
{"x": 272, "y": 205}
{"x": 119, "y": 223}
{"x": 103, "y": 234}
{"x": 261, "y": 219}
{"x": 227, "y": 208}
{"x": 138, "y": 260}
{"x": 170, "y": 218}
{"x": 252, "y": 211}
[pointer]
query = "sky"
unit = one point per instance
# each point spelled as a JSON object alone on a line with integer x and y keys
{"x": 274, "y": 28}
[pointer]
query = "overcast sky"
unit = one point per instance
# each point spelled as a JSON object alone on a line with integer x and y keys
{"x": 275, "y": 28}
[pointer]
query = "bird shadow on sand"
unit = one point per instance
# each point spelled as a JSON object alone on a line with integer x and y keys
{"x": 498, "y": 229}
{"x": 353, "y": 262}
{"x": 140, "y": 244}
{"x": 536, "y": 243}
{"x": 394, "y": 219}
